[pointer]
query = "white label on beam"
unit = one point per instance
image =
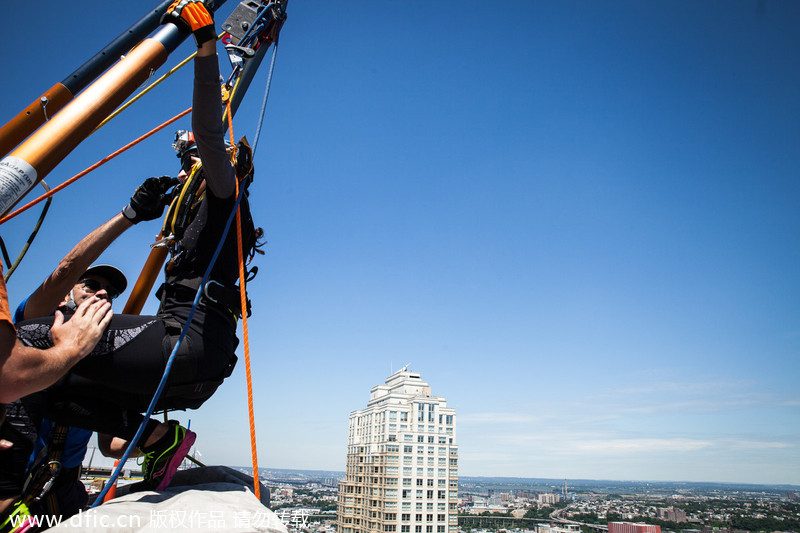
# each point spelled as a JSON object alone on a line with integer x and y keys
{"x": 16, "y": 178}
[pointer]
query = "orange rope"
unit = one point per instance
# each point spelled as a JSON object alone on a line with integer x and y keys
{"x": 103, "y": 161}
{"x": 245, "y": 338}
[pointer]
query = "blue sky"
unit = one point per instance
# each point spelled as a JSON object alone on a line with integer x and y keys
{"x": 577, "y": 220}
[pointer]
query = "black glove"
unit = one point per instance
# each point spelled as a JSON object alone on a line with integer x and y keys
{"x": 191, "y": 15}
{"x": 149, "y": 199}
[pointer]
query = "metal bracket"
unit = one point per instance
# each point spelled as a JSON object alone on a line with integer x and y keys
{"x": 44, "y": 101}
{"x": 238, "y": 54}
{"x": 165, "y": 242}
{"x": 205, "y": 290}
{"x": 241, "y": 19}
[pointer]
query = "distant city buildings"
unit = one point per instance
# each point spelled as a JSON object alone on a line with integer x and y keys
{"x": 563, "y": 528}
{"x": 631, "y": 527}
{"x": 672, "y": 514}
{"x": 402, "y": 462}
{"x": 548, "y": 499}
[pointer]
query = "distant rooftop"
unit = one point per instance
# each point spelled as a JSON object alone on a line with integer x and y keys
{"x": 402, "y": 384}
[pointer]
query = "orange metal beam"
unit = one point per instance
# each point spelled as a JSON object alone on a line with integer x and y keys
{"x": 37, "y": 113}
{"x": 41, "y": 152}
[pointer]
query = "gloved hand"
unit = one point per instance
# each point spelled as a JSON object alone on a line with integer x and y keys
{"x": 191, "y": 15}
{"x": 149, "y": 199}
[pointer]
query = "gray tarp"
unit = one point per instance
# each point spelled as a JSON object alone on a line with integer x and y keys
{"x": 198, "y": 499}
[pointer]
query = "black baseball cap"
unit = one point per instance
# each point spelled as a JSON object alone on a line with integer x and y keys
{"x": 114, "y": 276}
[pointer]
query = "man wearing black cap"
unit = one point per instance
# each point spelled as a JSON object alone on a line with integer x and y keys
{"x": 104, "y": 281}
{"x": 21, "y": 434}
{"x": 65, "y": 289}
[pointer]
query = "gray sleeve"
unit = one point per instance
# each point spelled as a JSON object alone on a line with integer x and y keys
{"x": 208, "y": 129}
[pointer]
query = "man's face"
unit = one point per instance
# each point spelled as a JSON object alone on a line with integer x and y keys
{"x": 186, "y": 166}
{"x": 91, "y": 285}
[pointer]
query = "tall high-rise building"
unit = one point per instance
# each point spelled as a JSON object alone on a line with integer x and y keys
{"x": 402, "y": 462}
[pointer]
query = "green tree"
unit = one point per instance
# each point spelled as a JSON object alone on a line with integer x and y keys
{"x": 539, "y": 512}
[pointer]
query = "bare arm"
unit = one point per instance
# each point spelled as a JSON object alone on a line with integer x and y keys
{"x": 24, "y": 370}
{"x": 45, "y": 300}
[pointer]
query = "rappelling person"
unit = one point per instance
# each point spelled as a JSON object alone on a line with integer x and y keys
{"x": 108, "y": 391}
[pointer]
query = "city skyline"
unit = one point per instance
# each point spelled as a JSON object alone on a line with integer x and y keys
{"x": 577, "y": 219}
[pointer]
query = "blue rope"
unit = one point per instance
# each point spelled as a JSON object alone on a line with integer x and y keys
{"x": 266, "y": 93}
{"x": 168, "y": 366}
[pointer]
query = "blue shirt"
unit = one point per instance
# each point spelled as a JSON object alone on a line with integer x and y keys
{"x": 19, "y": 314}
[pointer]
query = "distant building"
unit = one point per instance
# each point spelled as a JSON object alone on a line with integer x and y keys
{"x": 672, "y": 514}
{"x": 402, "y": 462}
{"x": 564, "y": 528}
{"x": 632, "y": 527}
{"x": 711, "y": 529}
{"x": 548, "y": 499}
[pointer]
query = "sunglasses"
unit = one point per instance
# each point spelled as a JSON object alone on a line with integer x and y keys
{"x": 187, "y": 163}
{"x": 91, "y": 285}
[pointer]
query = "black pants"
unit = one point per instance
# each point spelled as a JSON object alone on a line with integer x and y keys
{"x": 107, "y": 390}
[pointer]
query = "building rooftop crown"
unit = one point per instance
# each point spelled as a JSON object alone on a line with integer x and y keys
{"x": 403, "y": 382}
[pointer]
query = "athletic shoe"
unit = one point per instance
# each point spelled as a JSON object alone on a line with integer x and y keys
{"x": 163, "y": 458}
{"x": 16, "y": 518}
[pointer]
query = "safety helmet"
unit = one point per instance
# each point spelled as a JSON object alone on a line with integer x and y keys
{"x": 183, "y": 143}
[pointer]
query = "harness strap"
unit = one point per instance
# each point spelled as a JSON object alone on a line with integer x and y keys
{"x": 229, "y": 297}
{"x": 46, "y": 470}
{"x": 215, "y": 295}
{"x": 185, "y": 204}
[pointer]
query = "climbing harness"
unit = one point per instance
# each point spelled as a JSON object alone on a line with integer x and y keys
{"x": 46, "y": 469}
{"x": 43, "y": 477}
{"x": 184, "y": 207}
{"x": 168, "y": 367}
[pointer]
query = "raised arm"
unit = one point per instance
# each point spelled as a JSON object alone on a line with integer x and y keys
{"x": 209, "y": 132}
{"x": 207, "y": 125}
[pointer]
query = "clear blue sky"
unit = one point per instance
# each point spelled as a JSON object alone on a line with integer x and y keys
{"x": 577, "y": 220}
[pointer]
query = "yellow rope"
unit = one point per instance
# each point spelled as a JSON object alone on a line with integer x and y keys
{"x": 103, "y": 161}
{"x": 150, "y": 87}
{"x": 227, "y": 112}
